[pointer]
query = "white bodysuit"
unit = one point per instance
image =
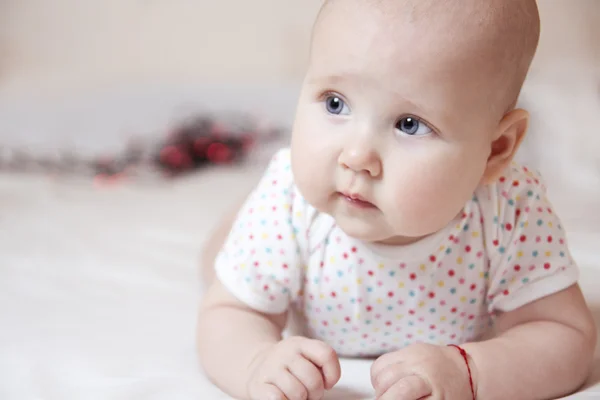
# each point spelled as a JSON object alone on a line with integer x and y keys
{"x": 508, "y": 250}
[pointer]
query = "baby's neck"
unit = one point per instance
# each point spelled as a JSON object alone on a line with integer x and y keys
{"x": 408, "y": 240}
{"x": 401, "y": 240}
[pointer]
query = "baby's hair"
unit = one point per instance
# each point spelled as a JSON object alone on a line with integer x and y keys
{"x": 502, "y": 34}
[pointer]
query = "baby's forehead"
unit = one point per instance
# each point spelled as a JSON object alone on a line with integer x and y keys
{"x": 481, "y": 43}
{"x": 390, "y": 23}
{"x": 393, "y": 40}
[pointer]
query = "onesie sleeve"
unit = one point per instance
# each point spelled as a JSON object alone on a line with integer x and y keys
{"x": 260, "y": 262}
{"x": 529, "y": 256}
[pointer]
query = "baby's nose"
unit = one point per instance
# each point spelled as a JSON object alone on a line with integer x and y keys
{"x": 360, "y": 158}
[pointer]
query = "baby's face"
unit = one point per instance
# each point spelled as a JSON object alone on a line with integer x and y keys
{"x": 393, "y": 130}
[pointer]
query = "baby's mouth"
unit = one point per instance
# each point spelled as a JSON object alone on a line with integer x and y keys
{"x": 357, "y": 200}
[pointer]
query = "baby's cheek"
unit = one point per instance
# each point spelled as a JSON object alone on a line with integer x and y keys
{"x": 311, "y": 173}
{"x": 426, "y": 201}
{"x": 422, "y": 197}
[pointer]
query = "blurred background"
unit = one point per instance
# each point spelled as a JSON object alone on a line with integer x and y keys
{"x": 96, "y": 72}
{"x": 61, "y": 46}
{"x": 98, "y": 283}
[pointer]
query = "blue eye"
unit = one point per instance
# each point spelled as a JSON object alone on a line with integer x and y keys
{"x": 336, "y": 106}
{"x": 413, "y": 127}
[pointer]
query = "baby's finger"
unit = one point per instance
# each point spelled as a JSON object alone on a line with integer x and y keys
{"x": 267, "y": 391}
{"x": 388, "y": 377}
{"x": 290, "y": 386}
{"x": 385, "y": 361}
{"x": 310, "y": 376}
{"x": 324, "y": 357}
{"x": 410, "y": 388}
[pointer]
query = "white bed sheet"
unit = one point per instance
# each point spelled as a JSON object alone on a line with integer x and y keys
{"x": 99, "y": 289}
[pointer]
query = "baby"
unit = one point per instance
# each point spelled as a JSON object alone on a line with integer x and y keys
{"x": 397, "y": 224}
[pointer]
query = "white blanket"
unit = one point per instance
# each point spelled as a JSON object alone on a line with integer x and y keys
{"x": 99, "y": 288}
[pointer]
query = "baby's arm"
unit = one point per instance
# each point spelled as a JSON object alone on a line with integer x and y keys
{"x": 242, "y": 352}
{"x": 222, "y": 317}
{"x": 230, "y": 335}
{"x": 543, "y": 350}
{"x": 215, "y": 242}
{"x": 254, "y": 263}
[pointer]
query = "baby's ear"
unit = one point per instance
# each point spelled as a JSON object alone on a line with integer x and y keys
{"x": 509, "y": 136}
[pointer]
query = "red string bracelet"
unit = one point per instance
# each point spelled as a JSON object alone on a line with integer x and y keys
{"x": 465, "y": 356}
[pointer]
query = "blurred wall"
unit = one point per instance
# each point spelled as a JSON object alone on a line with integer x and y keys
{"x": 70, "y": 44}
{"x": 570, "y": 34}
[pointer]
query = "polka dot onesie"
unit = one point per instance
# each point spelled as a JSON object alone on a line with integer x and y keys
{"x": 507, "y": 249}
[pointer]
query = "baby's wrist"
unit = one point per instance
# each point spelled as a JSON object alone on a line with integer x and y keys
{"x": 466, "y": 363}
{"x": 258, "y": 355}
{"x": 256, "y": 358}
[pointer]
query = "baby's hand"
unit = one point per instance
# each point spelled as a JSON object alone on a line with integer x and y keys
{"x": 294, "y": 369}
{"x": 421, "y": 371}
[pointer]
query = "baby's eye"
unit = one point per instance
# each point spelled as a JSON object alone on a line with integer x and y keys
{"x": 413, "y": 127}
{"x": 336, "y": 106}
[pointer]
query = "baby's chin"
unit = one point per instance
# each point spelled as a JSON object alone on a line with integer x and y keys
{"x": 370, "y": 230}
{"x": 378, "y": 230}
{"x": 363, "y": 233}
